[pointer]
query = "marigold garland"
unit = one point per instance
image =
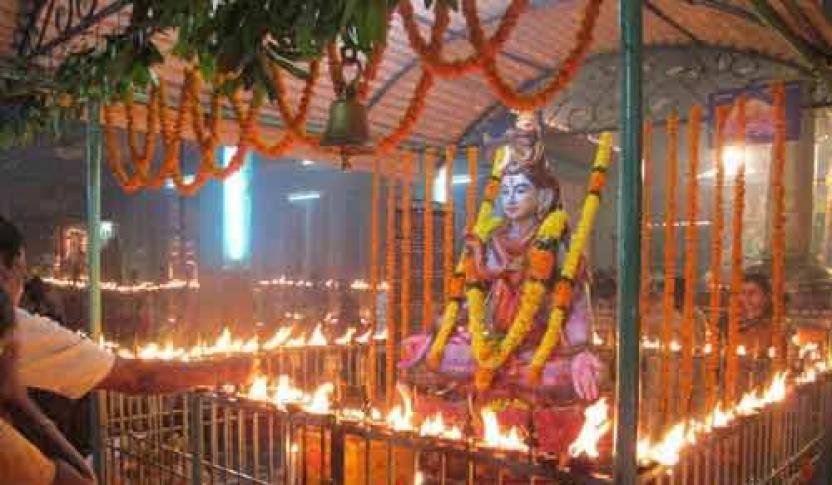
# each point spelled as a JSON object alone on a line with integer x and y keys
{"x": 372, "y": 372}
{"x": 541, "y": 266}
{"x": 688, "y": 311}
{"x": 406, "y": 250}
{"x": 564, "y": 289}
{"x": 390, "y": 277}
{"x": 463, "y": 273}
{"x": 427, "y": 226}
{"x": 716, "y": 257}
{"x": 646, "y": 211}
{"x": 448, "y": 224}
{"x": 473, "y": 155}
{"x": 666, "y": 335}
{"x": 734, "y": 303}
{"x": 515, "y": 99}
{"x": 778, "y": 221}
{"x": 430, "y": 54}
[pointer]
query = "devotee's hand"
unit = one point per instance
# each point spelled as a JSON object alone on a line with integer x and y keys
{"x": 586, "y": 369}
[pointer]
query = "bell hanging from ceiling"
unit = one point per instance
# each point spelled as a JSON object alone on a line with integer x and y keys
{"x": 347, "y": 125}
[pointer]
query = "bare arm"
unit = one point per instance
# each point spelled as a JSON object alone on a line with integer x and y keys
{"x": 134, "y": 376}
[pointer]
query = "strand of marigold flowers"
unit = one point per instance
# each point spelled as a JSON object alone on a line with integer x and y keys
{"x": 134, "y": 182}
{"x": 646, "y": 211}
{"x": 406, "y": 251}
{"x": 372, "y": 371}
{"x": 430, "y": 55}
{"x": 429, "y": 161}
{"x": 688, "y": 311}
{"x": 564, "y": 289}
{"x": 778, "y": 233}
{"x": 734, "y": 303}
{"x": 666, "y": 334}
{"x": 448, "y": 224}
{"x": 542, "y": 257}
{"x": 464, "y": 272}
{"x": 473, "y": 155}
{"x": 518, "y": 100}
{"x": 142, "y": 160}
{"x": 390, "y": 276}
{"x": 716, "y": 258}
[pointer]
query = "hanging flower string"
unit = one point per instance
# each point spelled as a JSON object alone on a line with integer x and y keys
{"x": 406, "y": 251}
{"x": 390, "y": 277}
{"x": 668, "y": 302}
{"x": 374, "y": 251}
{"x": 688, "y": 310}
{"x": 569, "y": 67}
{"x": 711, "y": 376}
{"x": 427, "y": 227}
{"x": 484, "y": 57}
{"x": 778, "y": 233}
{"x": 565, "y": 287}
{"x": 430, "y": 54}
{"x": 734, "y": 303}
{"x": 456, "y": 290}
{"x": 448, "y": 225}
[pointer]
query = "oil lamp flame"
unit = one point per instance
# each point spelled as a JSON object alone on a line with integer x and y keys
{"x": 317, "y": 338}
{"x": 493, "y": 437}
{"x": 596, "y": 425}
{"x": 400, "y": 418}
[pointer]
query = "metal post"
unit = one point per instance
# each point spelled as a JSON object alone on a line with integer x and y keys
{"x": 629, "y": 243}
{"x": 93, "y": 163}
{"x": 196, "y": 437}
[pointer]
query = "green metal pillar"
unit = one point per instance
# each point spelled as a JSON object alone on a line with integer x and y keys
{"x": 629, "y": 244}
{"x": 93, "y": 165}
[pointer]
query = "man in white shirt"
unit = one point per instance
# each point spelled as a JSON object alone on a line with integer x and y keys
{"x": 56, "y": 359}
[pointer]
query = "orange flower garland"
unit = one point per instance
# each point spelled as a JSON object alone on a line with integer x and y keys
{"x": 564, "y": 290}
{"x": 716, "y": 258}
{"x": 778, "y": 221}
{"x": 406, "y": 244}
{"x": 666, "y": 334}
{"x": 390, "y": 277}
{"x": 471, "y": 192}
{"x": 430, "y": 54}
{"x": 646, "y": 211}
{"x": 515, "y": 99}
{"x": 731, "y": 357}
{"x": 372, "y": 372}
{"x": 448, "y": 227}
{"x": 427, "y": 257}
{"x": 688, "y": 315}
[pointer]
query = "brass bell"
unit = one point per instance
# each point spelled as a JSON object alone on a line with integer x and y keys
{"x": 347, "y": 125}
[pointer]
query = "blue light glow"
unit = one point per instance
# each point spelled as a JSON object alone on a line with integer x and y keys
{"x": 236, "y": 211}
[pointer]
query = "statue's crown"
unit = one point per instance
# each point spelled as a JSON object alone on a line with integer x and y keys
{"x": 524, "y": 144}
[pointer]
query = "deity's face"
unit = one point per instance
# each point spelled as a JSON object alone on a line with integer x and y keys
{"x": 519, "y": 197}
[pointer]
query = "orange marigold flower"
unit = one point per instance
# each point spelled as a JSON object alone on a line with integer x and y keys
{"x": 492, "y": 189}
{"x": 483, "y": 378}
{"x": 563, "y": 294}
{"x": 457, "y": 287}
{"x": 597, "y": 181}
{"x": 535, "y": 375}
{"x": 541, "y": 263}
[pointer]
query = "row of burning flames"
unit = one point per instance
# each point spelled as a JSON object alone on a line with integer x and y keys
{"x": 284, "y": 338}
{"x": 402, "y": 417}
{"x": 179, "y": 284}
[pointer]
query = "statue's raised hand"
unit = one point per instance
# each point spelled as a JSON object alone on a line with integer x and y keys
{"x": 586, "y": 371}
